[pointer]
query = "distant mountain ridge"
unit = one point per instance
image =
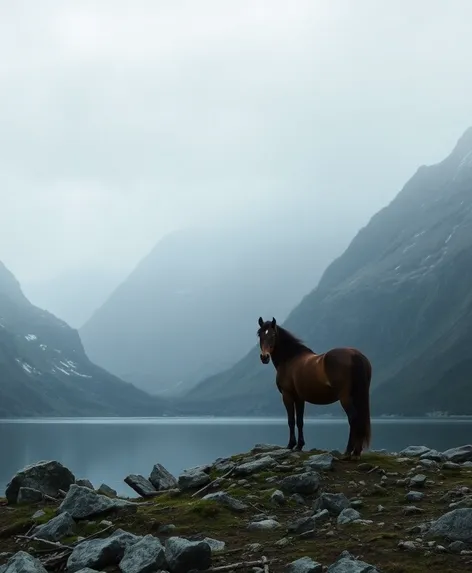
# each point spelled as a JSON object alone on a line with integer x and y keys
{"x": 401, "y": 292}
{"x": 185, "y": 311}
{"x": 44, "y": 370}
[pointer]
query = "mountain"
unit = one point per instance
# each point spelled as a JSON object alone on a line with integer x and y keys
{"x": 73, "y": 295}
{"x": 44, "y": 370}
{"x": 186, "y": 311}
{"x": 401, "y": 292}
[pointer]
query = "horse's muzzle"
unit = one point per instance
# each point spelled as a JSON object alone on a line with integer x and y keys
{"x": 265, "y": 358}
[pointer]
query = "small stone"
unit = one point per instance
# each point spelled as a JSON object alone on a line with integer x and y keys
{"x": 304, "y": 483}
{"x": 322, "y": 462}
{"x": 412, "y": 510}
{"x": 263, "y": 525}
{"x": 254, "y": 547}
{"x": 418, "y": 480}
{"x": 335, "y": 503}
{"x": 304, "y": 565}
{"x": 408, "y": 545}
{"x": 22, "y": 562}
{"x": 38, "y": 514}
{"x": 228, "y": 501}
{"x": 277, "y": 497}
{"x": 414, "y": 496}
{"x": 250, "y": 468}
{"x": 457, "y": 546}
{"x": 284, "y": 542}
{"x": 348, "y": 515}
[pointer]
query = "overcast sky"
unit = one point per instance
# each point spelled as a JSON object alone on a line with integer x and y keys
{"x": 120, "y": 121}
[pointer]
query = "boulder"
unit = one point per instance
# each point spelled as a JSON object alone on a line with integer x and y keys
{"x": 83, "y": 503}
{"x": 335, "y": 503}
{"x": 48, "y": 477}
{"x": 304, "y": 565}
{"x": 27, "y": 495}
{"x": 161, "y": 479}
{"x": 320, "y": 462}
{"x": 100, "y": 553}
{"x": 456, "y": 525}
{"x": 140, "y": 484}
{"x": 305, "y": 483}
{"x": 193, "y": 479}
{"x": 183, "y": 555}
{"x": 22, "y": 562}
{"x": 254, "y": 466}
{"x": 56, "y": 528}
{"x": 459, "y": 455}
{"x": 145, "y": 556}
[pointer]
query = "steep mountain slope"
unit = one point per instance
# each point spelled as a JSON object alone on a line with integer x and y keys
{"x": 186, "y": 311}
{"x": 401, "y": 292}
{"x": 45, "y": 372}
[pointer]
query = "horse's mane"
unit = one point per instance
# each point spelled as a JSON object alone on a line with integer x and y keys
{"x": 290, "y": 342}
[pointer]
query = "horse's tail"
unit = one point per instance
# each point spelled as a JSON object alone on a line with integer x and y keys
{"x": 361, "y": 370}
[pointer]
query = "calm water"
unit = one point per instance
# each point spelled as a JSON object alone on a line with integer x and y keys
{"x": 107, "y": 450}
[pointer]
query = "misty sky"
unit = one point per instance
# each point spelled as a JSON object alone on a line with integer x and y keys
{"x": 122, "y": 120}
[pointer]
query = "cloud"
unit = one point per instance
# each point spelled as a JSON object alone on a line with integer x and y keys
{"x": 122, "y": 121}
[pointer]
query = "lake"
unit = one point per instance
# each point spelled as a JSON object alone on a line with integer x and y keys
{"x": 107, "y": 450}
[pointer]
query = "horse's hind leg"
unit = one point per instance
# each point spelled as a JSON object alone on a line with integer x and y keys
{"x": 300, "y": 410}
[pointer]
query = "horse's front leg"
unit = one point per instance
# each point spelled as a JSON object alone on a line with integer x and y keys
{"x": 289, "y": 404}
{"x": 300, "y": 410}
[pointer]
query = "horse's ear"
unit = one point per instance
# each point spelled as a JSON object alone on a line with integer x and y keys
{"x": 273, "y": 322}
{"x": 261, "y": 322}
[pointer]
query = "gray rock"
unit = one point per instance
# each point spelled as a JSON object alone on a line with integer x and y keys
{"x": 193, "y": 479}
{"x": 320, "y": 462}
{"x": 145, "y": 556}
{"x": 255, "y": 466}
{"x": 335, "y": 503}
{"x": 414, "y": 496}
{"x": 22, "y": 562}
{"x": 412, "y": 510}
{"x": 38, "y": 514}
{"x": 348, "y": 515}
{"x": 432, "y": 455}
{"x": 304, "y": 483}
{"x": 346, "y": 563}
{"x": 301, "y": 525}
{"x": 56, "y": 528}
{"x": 418, "y": 480}
{"x": 226, "y": 500}
{"x": 429, "y": 464}
{"x": 140, "y": 485}
{"x": 82, "y": 503}
{"x": 161, "y": 479}
{"x": 457, "y": 546}
{"x": 304, "y": 565}
{"x": 87, "y": 570}
{"x": 28, "y": 495}
{"x": 451, "y": 466}
{"x": 215, "y": 545}
{"x": 48, "y": 477}
{"x": 277, "y": 497}
{"x": 298, "y": 499}
{"x": 266, "y": 448}
{"x": 459, "y": 455}
{"x": 100, "y": 553}
{"x": 84, "y": 482}
{"x": 414, "y": 451}
{"x": 105, "y": 489}
{"x": 263, "y": 525}
{"x": 456, "y": 525}
{"x": 183, "y": 555}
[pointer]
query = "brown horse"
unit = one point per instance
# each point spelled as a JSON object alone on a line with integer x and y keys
{"x": 342, "y": 374}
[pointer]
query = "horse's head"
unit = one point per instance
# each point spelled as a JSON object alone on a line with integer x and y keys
{"x": 267, "y": 336}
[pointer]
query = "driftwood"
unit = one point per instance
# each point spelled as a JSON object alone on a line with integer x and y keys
{"x": 209, "y": 485}
{"x": 55, "y": 544}
{"x": 264, "y": 562}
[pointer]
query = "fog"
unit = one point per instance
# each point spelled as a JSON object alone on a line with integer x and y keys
{"x": 123, "y": 121}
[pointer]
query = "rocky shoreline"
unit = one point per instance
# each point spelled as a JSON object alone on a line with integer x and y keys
{"x": 265, "y": 511}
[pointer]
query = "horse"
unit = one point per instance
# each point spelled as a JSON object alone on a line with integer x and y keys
{"x": 340, "y": 374}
